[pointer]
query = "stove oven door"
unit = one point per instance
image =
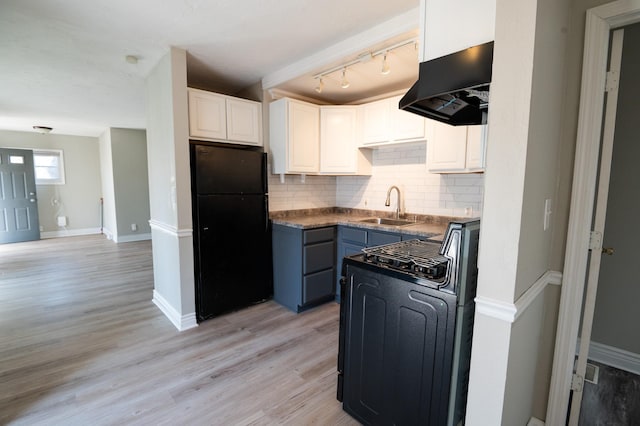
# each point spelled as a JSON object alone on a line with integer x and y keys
{"x": 398, "y": 349}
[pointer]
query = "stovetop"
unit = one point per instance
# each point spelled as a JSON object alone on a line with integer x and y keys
{"x": 419, "y": 258}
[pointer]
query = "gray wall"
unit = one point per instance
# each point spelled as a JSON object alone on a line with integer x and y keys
{"x": 79, "y": 197}
{"x": 130, "y": 183}
{"x": 125, "y": 187}
{"x": 616, "y": 314}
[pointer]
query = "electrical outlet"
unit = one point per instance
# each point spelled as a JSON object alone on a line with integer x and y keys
{"x": 134, "y": 227}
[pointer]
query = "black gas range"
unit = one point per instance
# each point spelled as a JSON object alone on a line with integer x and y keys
{"x": 406, "y": 324}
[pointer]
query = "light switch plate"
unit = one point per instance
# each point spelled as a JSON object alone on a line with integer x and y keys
{"x": 547, "y": 213}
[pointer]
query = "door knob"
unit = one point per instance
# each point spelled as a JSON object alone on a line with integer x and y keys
{"x": 33, "y": 200}
{"x": 607, "y": 250}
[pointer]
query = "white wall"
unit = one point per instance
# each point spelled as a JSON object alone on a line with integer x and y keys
{"x": 170, "y": 188}
{"x": 79, "y": 198}
{"x": 526, "y": 130}
{"x": 110, "y": 224}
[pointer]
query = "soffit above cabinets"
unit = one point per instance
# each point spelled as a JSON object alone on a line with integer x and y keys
{"x": 365, "y": 77}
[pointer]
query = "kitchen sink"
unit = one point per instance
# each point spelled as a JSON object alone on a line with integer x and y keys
{"x": 387, "y": 221}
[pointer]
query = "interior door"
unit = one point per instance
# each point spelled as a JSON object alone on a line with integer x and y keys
{"x": 600, "y": 216}
{"x": 18, "y": 202}
{"x": 613, "y": 307}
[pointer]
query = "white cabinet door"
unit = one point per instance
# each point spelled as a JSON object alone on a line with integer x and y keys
{"x": 476, "y": 141}
{"x": 244, "y": 121}
{"x": 446, "y": 148}
{"x": 384, "y": 124}
{"x": 375, "y": 116}
{"x": 303, "y": 137}
{"x": 338, "y": 145}
{"x": 207, "y": 115}
{"x": 407, "y": 126}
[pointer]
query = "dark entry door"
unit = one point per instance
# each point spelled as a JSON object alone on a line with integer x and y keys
{"x": 18, "y": 202}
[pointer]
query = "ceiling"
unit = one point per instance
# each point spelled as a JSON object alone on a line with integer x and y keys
{"x": 62, "y": 62}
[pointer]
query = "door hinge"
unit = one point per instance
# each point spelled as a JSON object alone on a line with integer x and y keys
{"x": 576, "y": 383}
{"x": 613, "y": 78}
{"x": 595, "y": 240}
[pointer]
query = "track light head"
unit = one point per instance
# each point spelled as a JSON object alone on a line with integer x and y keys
{"x": 385, "y": 65}
{"x": 344, "y": 83}
{"x": 320, "y": 85}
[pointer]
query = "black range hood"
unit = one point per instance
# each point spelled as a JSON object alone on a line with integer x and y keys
{"x": 453, "y": 89}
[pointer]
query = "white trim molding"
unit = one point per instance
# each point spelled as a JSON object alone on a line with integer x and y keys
{"x": 614, "y": 357}
{"x": 132, "y": 237}
{"x": 181, "y": 322}
{"x": 535, "y": 422}
{"x": 170, "y": 229}
{"x": 510, "y": 312}
{"x": 69, "y": 233}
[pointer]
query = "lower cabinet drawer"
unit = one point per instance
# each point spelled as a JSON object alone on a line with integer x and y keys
{"x": 318, "y": 285}
{"x": 380, "y": 238}
{"x": 318, "y": 256}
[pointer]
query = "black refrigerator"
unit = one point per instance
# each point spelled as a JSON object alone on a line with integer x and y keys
{"x": 232, "y": 231}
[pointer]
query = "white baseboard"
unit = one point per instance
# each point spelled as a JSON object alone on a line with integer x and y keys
{"x": 614, "y": 357}
{"x": 181, "y": 322}
{"x": 132, "y": 238}
{"x": 69, "y": 233}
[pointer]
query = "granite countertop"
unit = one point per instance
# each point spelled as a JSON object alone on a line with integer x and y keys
{"x": 432, "y": 227}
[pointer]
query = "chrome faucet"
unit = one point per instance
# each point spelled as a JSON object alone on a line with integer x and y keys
{"x": 388, "y": 200}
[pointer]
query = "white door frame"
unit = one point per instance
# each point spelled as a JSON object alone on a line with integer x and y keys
{"x": 599, "y": 22}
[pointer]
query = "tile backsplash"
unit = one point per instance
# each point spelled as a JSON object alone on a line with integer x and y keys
{"x": 400, "y": 165}
{"x": 293, "y": 194}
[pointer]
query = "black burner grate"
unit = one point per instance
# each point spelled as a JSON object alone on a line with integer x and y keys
{"x": 418, "y": 257}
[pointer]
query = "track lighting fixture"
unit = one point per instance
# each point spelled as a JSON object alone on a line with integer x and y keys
{"x": 362, "y": 58}
{"x": 344, "y": 83}
{"x": 385, "y": 65}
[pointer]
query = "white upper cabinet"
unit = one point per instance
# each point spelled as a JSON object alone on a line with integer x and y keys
{"x": 339, "y": 135}
{"x": 375, "y": 126}
{"x": 455, "y": 149}
{"x": 476, "y": 146}
{"x": 384, "y": 123}
{"x": 244, "y": 121}
{"x": 207, "y": 115}
{"x": 294, "y": 136}
{"x": 222, "y": 118}
{"x": 311, "y": 139}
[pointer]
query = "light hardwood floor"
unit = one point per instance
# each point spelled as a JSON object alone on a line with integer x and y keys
{"x": 82, "y": 343}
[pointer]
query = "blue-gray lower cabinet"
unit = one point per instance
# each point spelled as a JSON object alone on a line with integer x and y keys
{"x": 304, "y": 270}
{"x": 352, "y": 240}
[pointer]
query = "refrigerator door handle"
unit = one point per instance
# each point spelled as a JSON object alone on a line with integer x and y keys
{"x": 266, "y": 215}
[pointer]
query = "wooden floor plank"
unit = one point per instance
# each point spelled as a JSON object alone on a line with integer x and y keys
{"x": 82, "y": 343}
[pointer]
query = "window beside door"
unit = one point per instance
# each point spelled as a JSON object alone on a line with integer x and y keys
{"x": 49, "y": 166}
